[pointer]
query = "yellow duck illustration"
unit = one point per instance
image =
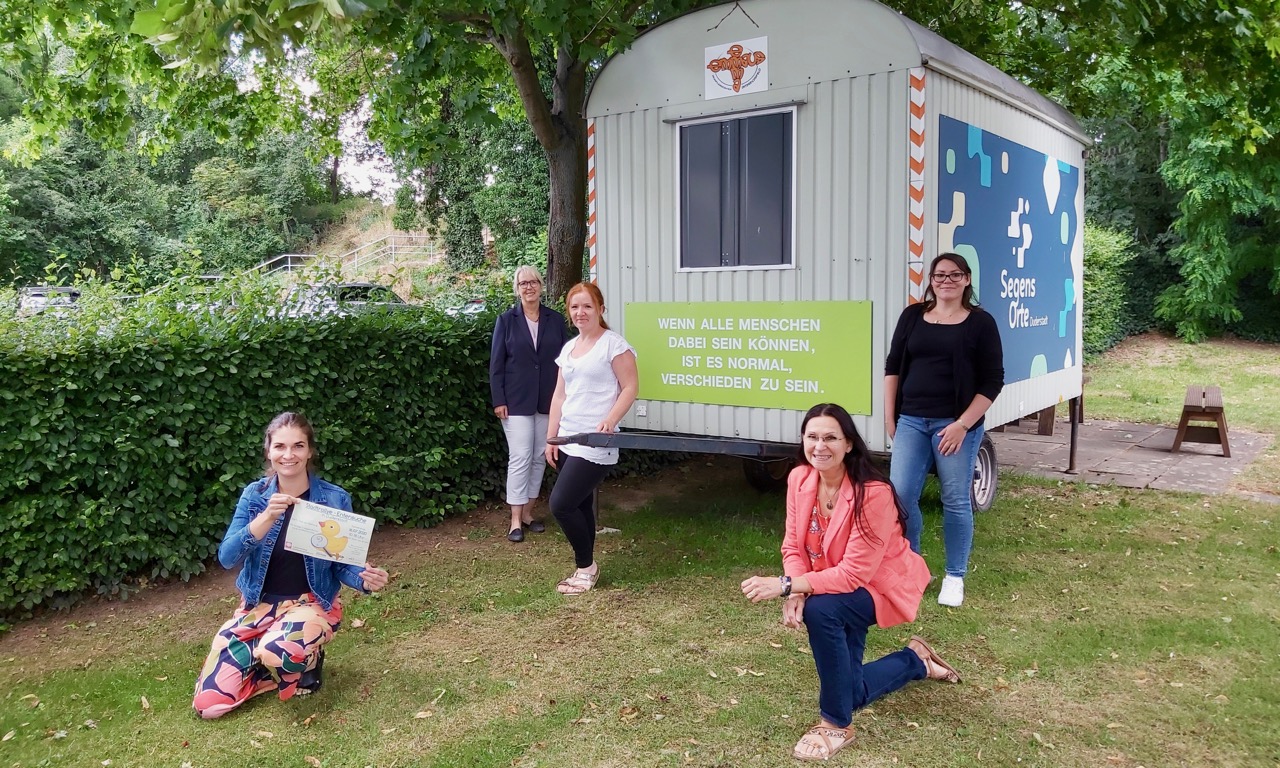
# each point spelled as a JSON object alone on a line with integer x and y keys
{"x": 333, "y": 543}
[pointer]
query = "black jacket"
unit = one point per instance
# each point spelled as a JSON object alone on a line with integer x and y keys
{"x": 978, "y": 362}
{"x": 520, "y": 377}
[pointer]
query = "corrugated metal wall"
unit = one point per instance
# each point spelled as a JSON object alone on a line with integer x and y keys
{"x": 947, "y": 96}
{"x": 850, "y": 232}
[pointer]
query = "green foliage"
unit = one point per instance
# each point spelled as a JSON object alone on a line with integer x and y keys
{"x": 1107, "y": 258}
{"x": 1126, "y": 191}
{"x": 463, "y": 240}
{"x": 127, "y": 432}
{"x": 1229, "y": 225}
{"x": 1259, "y": 303}
{"x": 107, "y": 209}
{"x": 406, "y": 217}
{"x": 531, "y": 251}
{"x": 422, "y": 66}
{"x": 1180, "y": 98}
{"x": 514, "y": 206}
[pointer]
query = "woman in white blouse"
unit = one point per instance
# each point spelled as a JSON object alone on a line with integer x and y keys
{"x": 597, "y": 384}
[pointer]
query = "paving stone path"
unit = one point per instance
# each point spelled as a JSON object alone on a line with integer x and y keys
{"x": 1129, "y": 455}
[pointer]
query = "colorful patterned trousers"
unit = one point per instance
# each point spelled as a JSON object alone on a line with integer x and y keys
{"x": 266, "y": 648}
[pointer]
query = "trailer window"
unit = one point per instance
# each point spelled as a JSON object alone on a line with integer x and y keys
{"x": 736, "y": 192}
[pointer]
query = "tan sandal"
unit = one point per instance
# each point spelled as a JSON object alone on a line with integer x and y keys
{"x": 818, "y": 742}
{"x": 579, "y": 582}
{"x": 935, "y": 667}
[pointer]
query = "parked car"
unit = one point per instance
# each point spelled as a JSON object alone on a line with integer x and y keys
{"x": 35, "y": 299}
{"x": 340, "y": 299}
{"x": 199, "y": 290}
{"x": 471, "y": 308}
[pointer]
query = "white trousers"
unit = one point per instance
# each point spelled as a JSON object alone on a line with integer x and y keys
{"x": 527, "y": 460}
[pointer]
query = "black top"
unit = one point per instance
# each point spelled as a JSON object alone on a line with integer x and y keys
{"x": 286, "y": 577}
{"x": 521, "y": 377}
{"x": 977, "y": 361}
{"x": 928, "y": 392}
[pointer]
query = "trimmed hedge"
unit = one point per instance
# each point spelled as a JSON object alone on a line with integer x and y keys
{"x": 1107, "y": 309}
{"x": 126, "y": 436}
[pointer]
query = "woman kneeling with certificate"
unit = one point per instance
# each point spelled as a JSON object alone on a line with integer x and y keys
{"x": 289, "y": 607}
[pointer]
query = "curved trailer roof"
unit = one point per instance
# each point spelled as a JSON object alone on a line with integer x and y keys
{"x": 648, "y": 75}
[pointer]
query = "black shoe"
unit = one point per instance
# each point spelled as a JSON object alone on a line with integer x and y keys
{"x": 536, "y": 526}
{"x": 311, "y": 679}
{"x": 516, "y": 535}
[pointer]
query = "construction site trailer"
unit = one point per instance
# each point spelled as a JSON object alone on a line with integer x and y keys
{"x": 768, "y": 181}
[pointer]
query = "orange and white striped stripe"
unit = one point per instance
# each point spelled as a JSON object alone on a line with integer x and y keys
{"x": 591, "y": 199}
{"x": 915, "y": 257}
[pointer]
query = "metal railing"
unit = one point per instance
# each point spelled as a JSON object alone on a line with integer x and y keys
{"x": 389, "y": 248}
{"x": 285, "y": 262}
{"x": 384, "y": 249}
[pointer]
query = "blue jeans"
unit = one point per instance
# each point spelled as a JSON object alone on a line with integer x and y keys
{"x": 837, "y": 625}
{"x": 915, "y": 451}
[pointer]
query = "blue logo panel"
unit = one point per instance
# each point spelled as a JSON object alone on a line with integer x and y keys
{"x": 1011, "y": 212}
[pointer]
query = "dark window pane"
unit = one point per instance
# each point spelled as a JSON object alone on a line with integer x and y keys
{"x": 700, "y": 195}
{"x": 764, "y": 213}
{"x": 735, "y": 191}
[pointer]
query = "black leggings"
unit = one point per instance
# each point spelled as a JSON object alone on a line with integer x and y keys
{"x": 571, "y": 503}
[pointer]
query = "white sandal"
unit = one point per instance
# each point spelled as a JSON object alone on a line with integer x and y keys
{"x": 579, "y": 582}
{"x": 818, "y": 739}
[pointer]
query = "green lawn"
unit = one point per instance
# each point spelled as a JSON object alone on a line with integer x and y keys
{"x": 1101, "y": 628}
{"x": 1146, "y": 377}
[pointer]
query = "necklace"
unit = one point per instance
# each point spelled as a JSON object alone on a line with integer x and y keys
{"x": 831, "y": 499}
{"x": 946, "y": 319}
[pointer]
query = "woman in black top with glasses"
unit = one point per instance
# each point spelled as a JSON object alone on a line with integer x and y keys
{"x": 944, "y": 369}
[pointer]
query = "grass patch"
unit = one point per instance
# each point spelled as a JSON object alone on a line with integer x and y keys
{"x": 1101, "y": 627}
{"x": 1145, "y": 378}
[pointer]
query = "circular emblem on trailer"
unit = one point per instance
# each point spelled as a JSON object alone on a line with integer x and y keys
{"x": 737, "y": 69}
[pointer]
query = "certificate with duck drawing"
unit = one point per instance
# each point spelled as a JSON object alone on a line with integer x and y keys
{"x": 328, "y": 533}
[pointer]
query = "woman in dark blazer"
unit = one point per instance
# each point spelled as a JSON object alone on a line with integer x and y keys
{"x": 522, "y": 378}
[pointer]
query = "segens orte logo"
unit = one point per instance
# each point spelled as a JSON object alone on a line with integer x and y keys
{"x": 738, "y": 67}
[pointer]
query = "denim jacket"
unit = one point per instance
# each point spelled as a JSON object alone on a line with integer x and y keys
{"x": 324, "y": 576}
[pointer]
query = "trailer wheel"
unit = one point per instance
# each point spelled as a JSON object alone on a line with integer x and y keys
{"x": 983, "y": 493}
{"x": 767, "y": 475}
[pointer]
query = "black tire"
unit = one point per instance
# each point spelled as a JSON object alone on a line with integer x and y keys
{"x": 767, "y": 475}
{"x": 982, "y": 494}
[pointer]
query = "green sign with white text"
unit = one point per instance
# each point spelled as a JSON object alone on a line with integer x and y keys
{"x": 761, "y": 354}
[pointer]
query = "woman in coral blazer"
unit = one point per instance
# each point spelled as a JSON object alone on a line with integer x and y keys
{"x": 847, "y": 565}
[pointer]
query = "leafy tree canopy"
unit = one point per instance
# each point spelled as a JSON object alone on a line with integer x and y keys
{"x": 1202, "y": 72}
{"x": 424, "y": 65}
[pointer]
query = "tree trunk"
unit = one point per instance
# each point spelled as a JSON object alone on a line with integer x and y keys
{"x": 334, "y": 188}
{"x": 562, "y": 133}
{"x": 567, "y": 224}
{"x": 567, "y": 166}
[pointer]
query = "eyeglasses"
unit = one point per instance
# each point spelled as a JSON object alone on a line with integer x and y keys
{"x": 528, "y": 284}
{"x": 943, "y": 277}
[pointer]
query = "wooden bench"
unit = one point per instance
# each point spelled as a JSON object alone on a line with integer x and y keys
{"x": 1203, "y": 404}
{"x": 1044, "y": 421}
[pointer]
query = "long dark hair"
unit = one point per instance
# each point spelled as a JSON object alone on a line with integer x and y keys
{"x": 966, "y": 299}
{"x": 857, "y": 463}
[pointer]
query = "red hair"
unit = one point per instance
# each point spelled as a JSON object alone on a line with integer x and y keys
{"x": 594, "y": 291}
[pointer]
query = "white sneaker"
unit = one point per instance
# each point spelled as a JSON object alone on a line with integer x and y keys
{"x": 952, "y": 592}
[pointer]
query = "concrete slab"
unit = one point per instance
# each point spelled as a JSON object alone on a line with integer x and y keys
{"x": 1128, "y": 455}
